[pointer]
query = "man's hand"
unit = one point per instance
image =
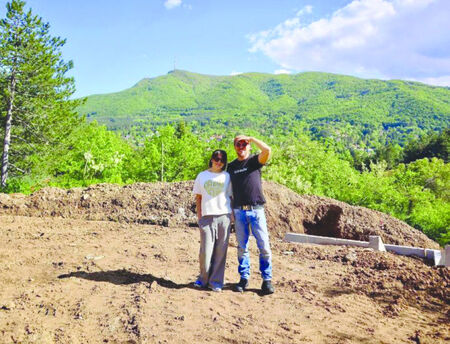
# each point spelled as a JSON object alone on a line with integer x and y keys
{"x": 266, "y": 151}
{"x": 248, "y": 139}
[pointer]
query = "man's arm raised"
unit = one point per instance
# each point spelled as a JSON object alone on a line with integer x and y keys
{"x": 266, "y": 151}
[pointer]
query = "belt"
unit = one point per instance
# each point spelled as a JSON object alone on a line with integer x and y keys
{"x": 250, "y": 207}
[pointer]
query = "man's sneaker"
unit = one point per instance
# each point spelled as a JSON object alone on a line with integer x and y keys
{"x": 216, "y": 289}
{"x": 267, "y": 287}
{"x": 242, "y": 285}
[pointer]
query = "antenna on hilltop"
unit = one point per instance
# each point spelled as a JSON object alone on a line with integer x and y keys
{"x": 175, "y": 63}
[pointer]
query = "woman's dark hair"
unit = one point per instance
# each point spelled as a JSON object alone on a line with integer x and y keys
{"x": 223, "y": 154}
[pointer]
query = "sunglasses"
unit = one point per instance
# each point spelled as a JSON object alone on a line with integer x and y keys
{"x": 218, "y": 159}
{"x": 241, "y": 144}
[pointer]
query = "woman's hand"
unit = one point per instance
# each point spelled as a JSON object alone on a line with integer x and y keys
{"x": 198, "y": 206}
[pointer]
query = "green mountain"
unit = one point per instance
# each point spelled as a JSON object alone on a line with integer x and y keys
{"x": 359, "y": 112}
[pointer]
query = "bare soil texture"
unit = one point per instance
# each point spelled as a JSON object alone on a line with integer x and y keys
{"x": 172, "y": 205}
{"x": 110, "y": 264}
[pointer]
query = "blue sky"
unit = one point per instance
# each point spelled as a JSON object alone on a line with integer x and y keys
{"x": 116, "y": 43}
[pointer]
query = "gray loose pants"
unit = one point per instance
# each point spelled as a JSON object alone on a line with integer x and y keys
{"x": 214, "y": 236}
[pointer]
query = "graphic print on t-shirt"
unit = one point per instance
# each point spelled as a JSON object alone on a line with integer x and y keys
{"x": 241, "y": 170}
{"x": 213, "y": 188}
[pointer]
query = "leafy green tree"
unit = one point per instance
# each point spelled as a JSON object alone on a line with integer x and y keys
{"x": 171, "y": 155}
{"x": 95, "y": 155}
{"x": 425, "y": 183}
{"x": 308, "y": 167}
{"x": 35, "y": 109}
{"x": 429, "y": 146}
{"x": 390, "y": 153}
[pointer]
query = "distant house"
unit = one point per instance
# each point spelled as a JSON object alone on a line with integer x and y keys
{"x": 215, "y": 137}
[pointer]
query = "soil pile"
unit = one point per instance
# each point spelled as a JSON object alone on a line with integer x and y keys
{"x": 172, "y": 205}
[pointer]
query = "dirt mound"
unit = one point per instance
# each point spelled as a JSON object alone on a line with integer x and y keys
{"x": 288, "y": 211}
{"x": 172, "y": 205}
{"x": 395, "y": 282}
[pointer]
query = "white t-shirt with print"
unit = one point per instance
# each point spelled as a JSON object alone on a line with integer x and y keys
{"x": 215, "y": 189}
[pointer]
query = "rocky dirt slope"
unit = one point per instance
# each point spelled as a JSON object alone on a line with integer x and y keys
{"x": 172, "y": 205}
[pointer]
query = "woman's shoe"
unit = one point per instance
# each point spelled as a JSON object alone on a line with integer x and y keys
{"x": 198, "y": 284}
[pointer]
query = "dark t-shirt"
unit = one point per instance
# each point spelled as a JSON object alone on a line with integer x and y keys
{"x": 246, "y": 181}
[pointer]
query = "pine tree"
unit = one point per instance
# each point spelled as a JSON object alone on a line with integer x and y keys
{"x": 35, "y": 108}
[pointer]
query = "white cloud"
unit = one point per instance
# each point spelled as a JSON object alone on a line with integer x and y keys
{"x": 235, "y": 73}
{"x": 170, "y": 4}
{"x": 438, "y": 81}
{"x": 369, "y": 38}
{"x": 305, "y": 10}
{"x": 282, "y": 71}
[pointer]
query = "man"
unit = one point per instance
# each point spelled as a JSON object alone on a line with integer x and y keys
{"x": 248, "y": 209}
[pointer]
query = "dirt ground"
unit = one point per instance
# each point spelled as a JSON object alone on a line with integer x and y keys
{"x": 79, "y": 280}
{"x": 172, "y": 205}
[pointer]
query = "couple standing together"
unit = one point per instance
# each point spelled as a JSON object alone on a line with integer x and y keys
{"x": 226, "y": 193}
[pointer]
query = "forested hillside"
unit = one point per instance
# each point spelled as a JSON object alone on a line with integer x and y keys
{"x": 360, "y": 113}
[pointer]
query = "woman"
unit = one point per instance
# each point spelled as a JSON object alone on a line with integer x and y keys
{"x": 212, "y": 189}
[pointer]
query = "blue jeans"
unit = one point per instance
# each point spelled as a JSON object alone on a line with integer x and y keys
{"x": 256, "y": 221}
